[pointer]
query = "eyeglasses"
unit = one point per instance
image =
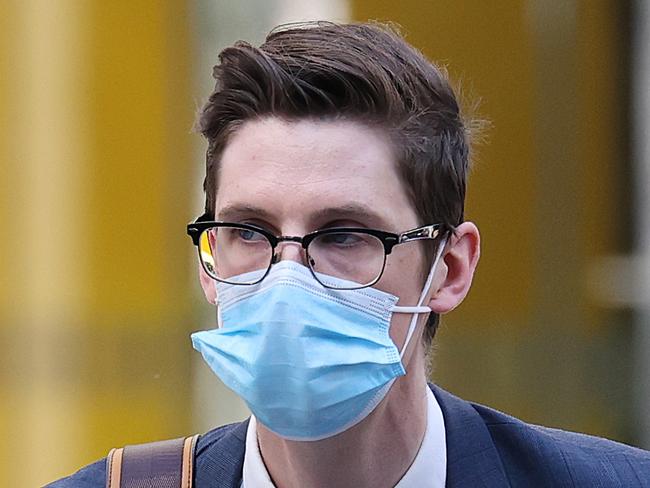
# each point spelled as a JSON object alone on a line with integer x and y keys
{"x": 242, "y": 254}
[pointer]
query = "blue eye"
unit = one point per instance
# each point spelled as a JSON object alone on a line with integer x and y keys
{"x": 246, "y": 234}
{"x": 249, "y": 235}
{"x": 340, "y": 239}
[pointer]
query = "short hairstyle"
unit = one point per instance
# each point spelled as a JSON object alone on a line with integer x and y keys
{"x": 362, "y": 72}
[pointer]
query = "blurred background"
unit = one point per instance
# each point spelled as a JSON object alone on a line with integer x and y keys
{"x": 100, "y": 172}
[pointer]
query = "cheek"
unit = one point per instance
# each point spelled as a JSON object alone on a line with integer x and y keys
{"x": 403, "y": 274}
{"x": 399, "y": 328}
{"x": 208, "y": 285}
{"x": 403, "y": 278}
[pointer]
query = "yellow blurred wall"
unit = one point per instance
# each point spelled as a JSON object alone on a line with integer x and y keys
{"x": 96, "y": 114}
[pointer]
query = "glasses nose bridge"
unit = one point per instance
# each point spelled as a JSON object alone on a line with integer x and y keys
{"x": 299, "y": 253}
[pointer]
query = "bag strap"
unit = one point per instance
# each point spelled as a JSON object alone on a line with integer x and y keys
{"x": 163, "y": 464}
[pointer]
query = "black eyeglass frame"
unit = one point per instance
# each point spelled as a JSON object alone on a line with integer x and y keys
{"x": 388, "y": 239}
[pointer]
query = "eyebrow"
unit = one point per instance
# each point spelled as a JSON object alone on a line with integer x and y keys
{"x": 356, "y": 211}
{"x": 238, "y": 210}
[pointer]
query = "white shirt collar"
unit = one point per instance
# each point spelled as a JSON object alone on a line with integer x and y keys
{"x": 428, "y": 470}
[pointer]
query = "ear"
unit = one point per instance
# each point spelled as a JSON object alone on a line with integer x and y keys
{"x": 208, "y": 285}
{"x": 456, "y": 268}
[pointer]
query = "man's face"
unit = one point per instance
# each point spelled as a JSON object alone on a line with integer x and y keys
{"x": 293, "y": 178}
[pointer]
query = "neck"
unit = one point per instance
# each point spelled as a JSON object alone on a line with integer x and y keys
{"x": 374, "y": 453}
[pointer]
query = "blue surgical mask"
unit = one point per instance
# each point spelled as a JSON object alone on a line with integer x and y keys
{"x": 310, "y": 362}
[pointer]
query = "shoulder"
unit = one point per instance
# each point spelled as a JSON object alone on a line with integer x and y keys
{"x": 485, "y": 444}
{"x": 215, "y": 448}
{"x": 91, "y": 476}
{"x": 554, "y": 454}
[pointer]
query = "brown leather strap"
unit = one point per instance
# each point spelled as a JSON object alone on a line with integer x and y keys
{"x": 164, "y": 464}
{"x": 114, "y": 468}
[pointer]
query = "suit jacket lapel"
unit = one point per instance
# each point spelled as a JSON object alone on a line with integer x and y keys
{"x": 472, "y": 458}
{"x": 220, "y": 464}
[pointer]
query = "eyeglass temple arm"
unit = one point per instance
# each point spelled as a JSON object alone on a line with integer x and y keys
{"x": 426, "y": 232}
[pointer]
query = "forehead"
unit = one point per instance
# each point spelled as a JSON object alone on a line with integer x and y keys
{"x": 291, "y": 168}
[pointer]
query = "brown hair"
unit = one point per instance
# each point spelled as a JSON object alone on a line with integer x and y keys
{"x": 362, "y": 72}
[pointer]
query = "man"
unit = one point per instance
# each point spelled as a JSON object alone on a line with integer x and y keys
{"x": 332, "y": 240}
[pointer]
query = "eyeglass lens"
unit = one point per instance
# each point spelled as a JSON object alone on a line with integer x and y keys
{"x": 351, "y": 256}
{"x": 242, "y": 256}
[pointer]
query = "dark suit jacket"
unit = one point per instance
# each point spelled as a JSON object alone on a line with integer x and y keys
{"x": 485, "y": 448}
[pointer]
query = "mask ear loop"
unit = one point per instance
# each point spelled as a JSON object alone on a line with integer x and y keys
{"x": 416, "y": 311}
{"x": 217, "y": 309}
